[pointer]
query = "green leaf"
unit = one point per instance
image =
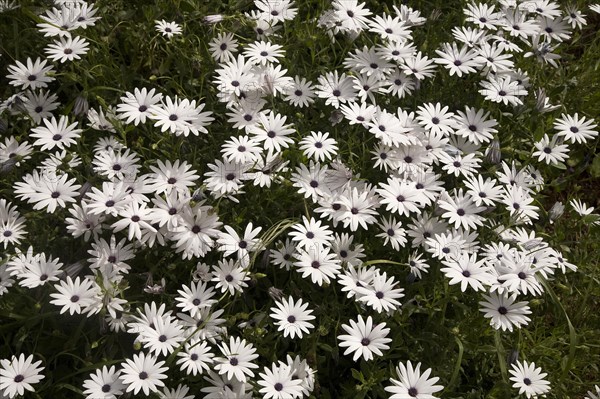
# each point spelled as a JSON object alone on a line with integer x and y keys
{"x": 595, "y": 169}
{"x": 358, "y": 375}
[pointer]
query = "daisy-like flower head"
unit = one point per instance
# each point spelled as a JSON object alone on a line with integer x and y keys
{"x": 580, "y": 207}
{"x": 318, "y": 263}
{"x": 292, "y": 317}
{"x": 172, "y": 176}
{"x": 461, "y": 211}
{"x": 367, "y": 61}
{"x": 596, "y": 394}
{"x": 76, "y": 296}
{"x": 241, "y": 150}
{"x": 236, "y": 360}
{"x": 335, "y": 88}
{"x": 179, "y": 116}
{"x": 56, "y": 133}
{"x": 230, "y": 242}
{"x": 37, "y": 271}
{"x": 311, "y": 235}
{"x": 195, "y": 297}
{"x": 230, "y": 277}
{"x": 18, "y": 374}
{"x": 529, "y": 379}
{"x": 136, "y": 106}
{"x": 550, "y": 151}
{"x": 319, "y": 146}
{"x": 32, "y": 76}
{"x": 468, "y": 271}
{"x": 400, "y": 197}
{"x": 364, "y": 339}
{"x": 67, "y": 49}
{"x": 382, "y": 294}
{"x": 168, "y": 29}
{"x": 221, "y": 386}
{"x": 39, "y": 105}
{"x": 279, "y": 382}
{"x": 261, "y": 53}
{"x": 392, "y": 233}
{"x": 352, "y": 15}
{"x": 358, "y": 208}
{"x": 502, "y": 90}
{"x": 390, "y": 28}
{"x": 436, "y": 118}
{"x": 518, "y": 202}
{"x": 457, "y": 61}
{"x": 418, "y": 65}
{"x": 13, "y": 151}
{"x": 223, "y": 46}
{"x": 104, "y": 383}
{"x": 162, "y": 336}
{"x": 483, "y": 15}
{"x": 196, "y": 357}
{"x": 504, "y": 312}
{"x": 300, "y": 93}
{"x": 475, "y": 125}
{"x": 275, "y": 11}
{"x": 575, "y": 129}
{"x": 143, "y": 373}
{"x": 412, "y": 383}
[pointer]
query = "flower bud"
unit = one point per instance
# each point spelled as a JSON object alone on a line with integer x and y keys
{"x": 492, "y": 153}
{"x": 81, "y": 106}
{"x": 556, "y": 211}
{"x": 213, "y": 19}
{"x": 275, "y": 293}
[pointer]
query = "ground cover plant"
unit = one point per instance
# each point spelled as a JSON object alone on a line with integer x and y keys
{"x": 294, "y": 199}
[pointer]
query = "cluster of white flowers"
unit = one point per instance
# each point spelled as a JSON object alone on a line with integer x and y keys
{"x": 435, "y": 198}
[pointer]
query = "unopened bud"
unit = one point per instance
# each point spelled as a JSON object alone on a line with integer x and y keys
{"x": 213, "y": 19}
{"x": 275, "y": 293}
{"x": 492, "y": 153}
{"x": 81, "y": 106}
{"x": 74, "y": 269}
{"x": 556, "y": 211}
